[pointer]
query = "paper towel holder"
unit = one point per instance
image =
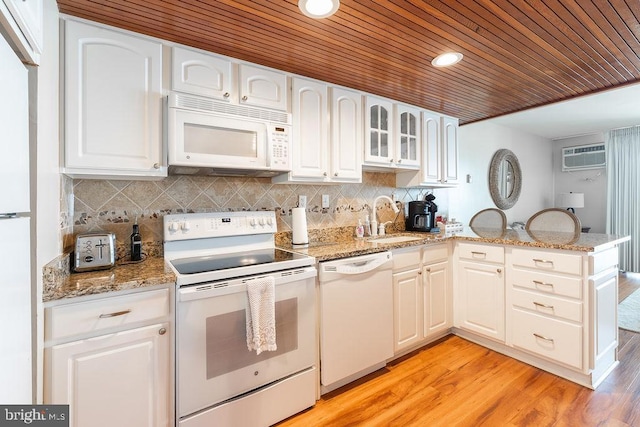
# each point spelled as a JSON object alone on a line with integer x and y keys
{"x": 300, "y": 237}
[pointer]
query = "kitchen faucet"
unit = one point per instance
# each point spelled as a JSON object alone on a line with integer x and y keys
{"x": 374, "y": 222}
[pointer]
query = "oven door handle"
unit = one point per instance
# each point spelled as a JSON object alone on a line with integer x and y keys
{"x": 233, "y": 286}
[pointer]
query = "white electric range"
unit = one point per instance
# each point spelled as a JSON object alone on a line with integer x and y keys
{"x": 218, "y": 380}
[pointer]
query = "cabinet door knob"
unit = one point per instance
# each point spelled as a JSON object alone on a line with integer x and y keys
{"x": 428, "y": 270}
{"x": 399, "y": 160}
{"x": 335, "y": 174}
{"x": 156, "y": 165}
{"x": 324, "y": 174}
{"x": 226, "y": 95}
{"x": 499, "y": 270}
{"x": 162, "y": 331}
{"x": 244, "y": 98}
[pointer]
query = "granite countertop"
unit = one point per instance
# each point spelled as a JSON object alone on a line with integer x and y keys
{"x": 342, "y": 248}
{"x": 325, "y": 251}
{"x": 59, "y": 283}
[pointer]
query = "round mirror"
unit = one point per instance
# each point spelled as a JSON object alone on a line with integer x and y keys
{"x": 505, "y": 179}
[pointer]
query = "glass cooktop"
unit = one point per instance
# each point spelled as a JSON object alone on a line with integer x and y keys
{"x": 203, "y": 264}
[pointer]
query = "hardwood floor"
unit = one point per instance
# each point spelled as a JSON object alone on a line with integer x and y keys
{"x": 454, "y": 382}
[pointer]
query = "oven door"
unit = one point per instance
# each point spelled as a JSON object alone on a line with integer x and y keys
{"x": 213, "y": 362}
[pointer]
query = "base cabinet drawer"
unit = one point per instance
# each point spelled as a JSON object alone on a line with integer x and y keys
{"x": 547, "y": 261}
{"x": 554, "y": 339}
{"x": 481, "y": 253}
{"x": 547, "y": 305}
{"x": 66, "y": 321}
{"x": 552, "y": 284}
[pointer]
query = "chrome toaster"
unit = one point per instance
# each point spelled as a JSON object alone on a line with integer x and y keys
{"x": 94, "y": 251}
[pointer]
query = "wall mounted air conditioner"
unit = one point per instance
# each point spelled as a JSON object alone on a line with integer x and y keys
{"x": 583, "y": 157}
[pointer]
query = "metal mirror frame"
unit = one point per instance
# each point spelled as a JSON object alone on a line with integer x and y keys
{"x": 494, "y": 178}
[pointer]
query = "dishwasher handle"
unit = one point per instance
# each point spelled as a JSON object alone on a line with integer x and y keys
{"x": 363, "y": 265}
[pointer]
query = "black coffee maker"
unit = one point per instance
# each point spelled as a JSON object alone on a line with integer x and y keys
{"x": 422, "y": 214}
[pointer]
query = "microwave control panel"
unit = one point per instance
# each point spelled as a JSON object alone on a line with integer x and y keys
{"x": 279, "y": 147}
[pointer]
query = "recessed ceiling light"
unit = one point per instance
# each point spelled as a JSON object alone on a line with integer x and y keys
{"x": 446, "y": 59}
{"x": 318, "y": 9}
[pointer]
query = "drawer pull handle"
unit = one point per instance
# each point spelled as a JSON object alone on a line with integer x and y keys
{"x": 543, "y": 261}
{"x": 542, "y": 337}
{"x": 539, "y": 283}
{"x": 483, "y": 254}
{"x": 115, "y": 314}
{"x": 539, "y": 304}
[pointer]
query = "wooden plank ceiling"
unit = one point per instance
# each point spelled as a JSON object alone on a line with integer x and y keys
{"x": 517, "y": 54}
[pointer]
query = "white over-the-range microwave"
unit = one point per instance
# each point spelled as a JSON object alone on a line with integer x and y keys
{"x": 209, "y": 137}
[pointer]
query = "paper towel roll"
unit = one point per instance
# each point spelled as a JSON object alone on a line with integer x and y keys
{"x": 299, "y": 225}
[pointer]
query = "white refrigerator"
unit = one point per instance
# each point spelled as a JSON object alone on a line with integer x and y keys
{"x": 15, "y": 232}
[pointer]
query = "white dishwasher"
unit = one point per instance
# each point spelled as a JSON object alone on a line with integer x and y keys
{"x": 356, "y": 317}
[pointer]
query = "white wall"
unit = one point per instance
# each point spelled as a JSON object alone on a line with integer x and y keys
{"x": 49, "y": 244}
{"x": 478, "y": 143}
{"x": 593, "y": 183}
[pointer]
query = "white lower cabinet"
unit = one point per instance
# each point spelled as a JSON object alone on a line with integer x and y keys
{"x": 480, "y": 300}
{"x": 548, "y": 337}
{"x": 437, "y": 294}
{"x": 117, "y": 379}
{"x": 422, "y": 296}
{"x": 115, "y": 368}
{"x": 407, "y": 299}
{"x": 563, "y": 308}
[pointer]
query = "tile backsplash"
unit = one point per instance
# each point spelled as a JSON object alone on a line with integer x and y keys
{"x": 114, "y": 205}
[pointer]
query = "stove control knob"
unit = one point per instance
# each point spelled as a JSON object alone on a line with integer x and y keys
{"x": 253, "y": 222}
{"x": 173, "y": 227}
{"x": 186, "y": 226}
{"x": 270, "y": 222}
{"x": 262, "y": 222}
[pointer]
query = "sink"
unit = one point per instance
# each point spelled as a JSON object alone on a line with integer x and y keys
{"x": 396, "y": 239}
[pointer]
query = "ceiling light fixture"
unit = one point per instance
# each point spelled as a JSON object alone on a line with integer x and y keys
{"x": 318, "y": 9}
{"x": 446, "y": 59}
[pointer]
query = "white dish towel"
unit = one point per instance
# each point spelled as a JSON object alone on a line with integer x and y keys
{"x": 261, "y": 315}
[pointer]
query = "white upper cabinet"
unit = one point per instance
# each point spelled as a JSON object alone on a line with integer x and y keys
{"x": 221, "y": 78}
{"x": 346, "y": 135}
{"x": 408, "y": 139}
{"x": 439, "y": 166}
{"x": 23, "y": 21}
{"x": 202, "y": 74}
{"x": 378, "y": 138}
{"x": 392, "y": 135}
{"x": 450, "y": 151}
{"x": 310, "y": 131}
{"x": 113, "y": 104}
{"x": 432, "y": 146}
{"x": 261, "y": 87}
{"x": 324, "y": 152}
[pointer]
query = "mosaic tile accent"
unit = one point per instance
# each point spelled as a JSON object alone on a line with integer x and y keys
{"x": 113, "y": 206}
